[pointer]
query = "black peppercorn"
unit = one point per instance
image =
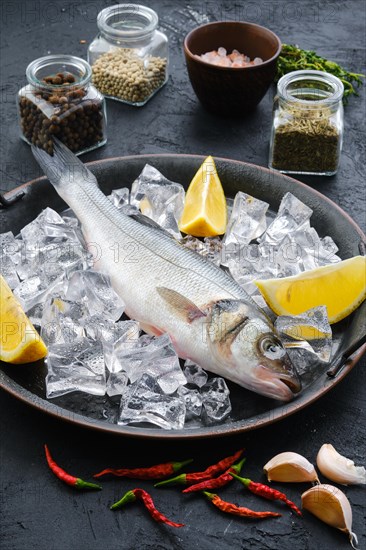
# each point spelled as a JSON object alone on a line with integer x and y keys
{"x": 70, "y": 116}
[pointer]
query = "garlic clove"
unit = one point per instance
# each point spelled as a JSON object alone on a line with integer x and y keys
{"x": 290, "y": 467}
{"x": 338, "y": 468}
{"x": 331, "y": 506}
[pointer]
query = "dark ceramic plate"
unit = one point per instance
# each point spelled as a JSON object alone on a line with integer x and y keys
{"x": 250, "y": 410}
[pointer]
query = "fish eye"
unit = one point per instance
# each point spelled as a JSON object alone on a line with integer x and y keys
{"x": 271, "y": 347}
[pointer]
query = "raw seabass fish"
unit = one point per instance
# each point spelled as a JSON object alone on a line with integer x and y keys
{"x": 171, "y": 289}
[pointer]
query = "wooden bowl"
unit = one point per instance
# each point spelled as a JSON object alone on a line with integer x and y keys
{"x": 227, "y": 90}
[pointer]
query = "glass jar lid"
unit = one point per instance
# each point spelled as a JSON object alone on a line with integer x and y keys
{"x": 310, "y": 89}
{"x": 43, "y": 67}
{"x": 127, "y": 21}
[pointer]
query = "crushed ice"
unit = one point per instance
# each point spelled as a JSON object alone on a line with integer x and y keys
{"x": 92, "y": 350}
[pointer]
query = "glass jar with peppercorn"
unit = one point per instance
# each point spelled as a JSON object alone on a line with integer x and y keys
{"x": 307, "y": 128}
{"x": 129, "y": 57}
{"x": 59, "y": 100}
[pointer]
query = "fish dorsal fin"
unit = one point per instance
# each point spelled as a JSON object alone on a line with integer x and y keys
{"x": 181, "y": 305}
{"x": 144, "y": 220}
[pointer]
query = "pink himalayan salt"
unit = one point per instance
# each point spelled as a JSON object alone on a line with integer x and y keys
{"x": 235, "y": 59}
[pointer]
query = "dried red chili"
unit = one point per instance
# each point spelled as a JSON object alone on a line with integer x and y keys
{"x": 266, "y": 492}
{"x": 196, "y": 477}
{"x": 216, "y": 482}
{"x": 158, "y": 471}
{"x": 65, "y": 477}
{"x": 144, "y": 496}
{"x": 231, "y": 508}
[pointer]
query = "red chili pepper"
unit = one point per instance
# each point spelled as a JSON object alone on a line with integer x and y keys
{"x": 210, "y": 472}
{"x": 65, "y": 477}
{"x": 217, "y": 482}
{"x": 230, "y": 508}
{"x": 140, "y": 494}
{"x": 266, "y": 492}
{"x": 153, "y": 472}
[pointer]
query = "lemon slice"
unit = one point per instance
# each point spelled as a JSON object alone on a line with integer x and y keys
{"x": 205, "y": 211}
{"x": 19, "y": 340}
{"x": 341, "y": 287}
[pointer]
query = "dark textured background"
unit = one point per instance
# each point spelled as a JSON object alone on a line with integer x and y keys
{"x": 37, "y": 512}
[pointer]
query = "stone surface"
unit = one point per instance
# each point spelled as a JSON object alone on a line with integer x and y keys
{"x": 174, "y": 122}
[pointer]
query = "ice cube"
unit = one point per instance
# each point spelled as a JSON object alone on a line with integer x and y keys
{"x": 116, "y": 383}
{"x": 216, "y": 401}
{"x": 50, "y": 259}
{"x": 35, "y": 314}
{"x": 247, "y": 265}
{"x": 193, "y": 402}
{"x": 124, "y": 338}
{"x": 70, "y": 218}
{"x": 32, "y": 291}
{"x": 97, "y": 327}
{"x": 292, "y": 214}
{"x": 145, "y": 340}
{"x": 326, "y": 253}
{"x": 158, "y": 359}
{"x": 288, "y": 259}
{"x": 62, "y": 321}
{"x": 78, "y": 366}
{"x": 10, "y": 246}
{"x": 120, "y": 197}
{"x": 34, "y": 231}
{"x": 159, "y": 199}
{"x": 59, "y": 259}
{"x": 95, "y": 289}
{"x": 310, "y": 330}
{"x": 144, "y": 401}
{"x": 60, "y": 231}
{"x": 194, "y": 374}
{"x": 247, "y": 220}
{"x": 310, "y": 249}
{"x": 306, "y": 362}
{"x": 9, "y": 272}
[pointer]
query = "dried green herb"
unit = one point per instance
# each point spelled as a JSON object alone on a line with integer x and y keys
{"x": 306, "y": 142}
{"x": 293, "y": 58}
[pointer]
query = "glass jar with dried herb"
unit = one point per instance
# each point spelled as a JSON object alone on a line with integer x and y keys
{"x": 59, "y": 100}
{"x": 129, "y": 57}
{"x": 307, "y": 129}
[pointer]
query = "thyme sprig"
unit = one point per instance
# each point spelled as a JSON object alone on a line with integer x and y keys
{"x": 293, "y": 58}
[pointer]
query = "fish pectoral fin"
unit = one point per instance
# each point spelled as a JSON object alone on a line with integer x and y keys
{"x": 183, "y": 306}
{"x": 144, "y": 220}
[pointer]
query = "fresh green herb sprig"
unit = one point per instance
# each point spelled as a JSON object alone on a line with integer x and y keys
{"x": 293, "y": 58}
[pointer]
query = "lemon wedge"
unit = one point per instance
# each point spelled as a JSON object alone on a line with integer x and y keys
{"x": 19, "y": 340}
{"x": 341, "y": 287}
{"x": 145, "y": 206}
{"x": 205, "y": 210}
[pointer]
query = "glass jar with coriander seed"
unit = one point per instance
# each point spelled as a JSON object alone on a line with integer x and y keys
{"x": 129, "y": 57}
{"x": 307, "y": 127}
{"x": 59, "y": 100}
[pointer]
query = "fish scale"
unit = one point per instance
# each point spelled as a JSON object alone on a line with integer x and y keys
{"x": 169, "y": 288}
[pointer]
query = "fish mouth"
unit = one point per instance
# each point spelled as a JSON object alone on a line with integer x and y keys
{"x": 294, "y": 384}
{"x": 270, "y": 384}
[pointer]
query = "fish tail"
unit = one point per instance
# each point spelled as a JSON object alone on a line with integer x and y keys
{"x": 63, "y": 169}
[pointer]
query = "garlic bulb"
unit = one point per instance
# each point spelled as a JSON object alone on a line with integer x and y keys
{"x": 331, "y": 506}
{"x": 290, "y": 467}
{"x": 338, "y": 468}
